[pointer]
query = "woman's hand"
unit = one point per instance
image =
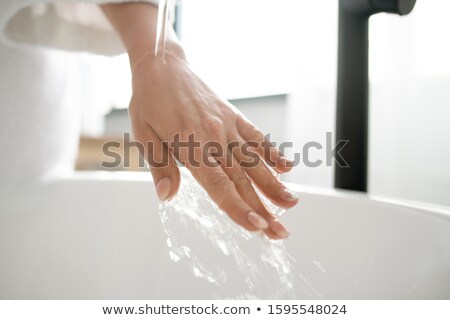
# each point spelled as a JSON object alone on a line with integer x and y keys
{"x": 176, "y": 116}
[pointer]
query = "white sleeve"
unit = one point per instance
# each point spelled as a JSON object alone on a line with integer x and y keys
{"x": 72, "y": 25}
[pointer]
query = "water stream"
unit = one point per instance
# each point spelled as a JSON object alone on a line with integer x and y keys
{"x": 238, "y": 263}
{"x": 164, "y": 10}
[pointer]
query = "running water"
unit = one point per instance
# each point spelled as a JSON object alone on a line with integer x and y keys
{"x": 240, "y": 264}
{"x": 162, "y": 28}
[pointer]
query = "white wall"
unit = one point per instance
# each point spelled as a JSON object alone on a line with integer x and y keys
{"x": 410, "y": 153}
{"x": 311, "y": 107}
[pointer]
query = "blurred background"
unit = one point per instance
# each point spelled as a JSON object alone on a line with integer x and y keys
{"x": 277, "y": 61}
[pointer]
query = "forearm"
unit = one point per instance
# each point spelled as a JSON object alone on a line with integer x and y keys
{"x": 136, "y": 25}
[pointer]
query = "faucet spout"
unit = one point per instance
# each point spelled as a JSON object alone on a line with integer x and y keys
{"x": 352, "y": 116}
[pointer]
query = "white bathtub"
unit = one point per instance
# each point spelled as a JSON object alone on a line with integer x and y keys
{"x": 99, "y": 236}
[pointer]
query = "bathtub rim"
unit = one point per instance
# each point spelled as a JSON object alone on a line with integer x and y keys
{"x": 437, "y": 210}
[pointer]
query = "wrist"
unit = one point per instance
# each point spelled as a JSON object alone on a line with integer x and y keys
{"x": 136, "y": 24}
{"x": 146, "y": 54}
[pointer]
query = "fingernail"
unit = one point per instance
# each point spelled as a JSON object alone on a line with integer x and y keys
{"x": 288, "y": 195}
{"x": 279, "y": 229}
{"x": 163, "y": 188}
{"x": 257, "y": 221}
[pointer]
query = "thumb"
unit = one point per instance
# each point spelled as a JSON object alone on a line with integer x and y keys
{"x": 165, "y": 172}
{"x": 166, "y": 178}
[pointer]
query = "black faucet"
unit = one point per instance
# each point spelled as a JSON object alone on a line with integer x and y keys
{"x": 353, "y": 85}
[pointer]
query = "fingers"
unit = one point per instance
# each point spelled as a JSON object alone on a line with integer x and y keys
{"x": 246, "y": 190}
{"x": 230, "y": 187}
{"x": 225, "y": 194}
{"x": 271, "y": 155}
{"x": 165, "y": 172}
{"x": 262, "y": 177}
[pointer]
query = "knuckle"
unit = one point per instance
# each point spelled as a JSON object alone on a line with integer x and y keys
{"x": 218, "y": 180}
{"x": 249, "y": 130}
{"x": 220, "y": 186}
{"x": 272, "y": 183}
{"x": 239, "y": 179}
{"x": 214, "y": 126}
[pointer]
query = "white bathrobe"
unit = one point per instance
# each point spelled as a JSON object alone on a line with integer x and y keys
{"x": 39, "y": 115}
